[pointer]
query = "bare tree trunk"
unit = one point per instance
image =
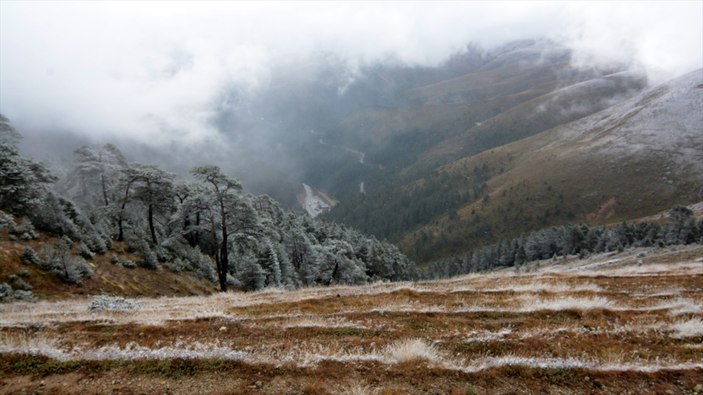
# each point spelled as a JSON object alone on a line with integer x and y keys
{"x": 120, "y": 236}
{"x": 102, "y": 181}
{"x": 150, "y": 214}
{"x": 224, "y": 259}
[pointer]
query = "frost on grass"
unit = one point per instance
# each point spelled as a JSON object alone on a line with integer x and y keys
{"x": 35, "y": 345}
{"x": 567, "y": 303}
{"x": 113, "y": 303}
{"x": 688, "y": 328}
{"x": 546, "y": 287}
{"x": 681, "y": 306}
{"x": 487, "y": 336}
{"x": 318, "y": 322}
{"x": 134, "y": 351}
{"x": 410, "y": 350}
{"x": 355, "y": 388}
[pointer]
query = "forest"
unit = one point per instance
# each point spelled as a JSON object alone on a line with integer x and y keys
{"x": 680, "y": 228}
{"x": 207, "y": 225}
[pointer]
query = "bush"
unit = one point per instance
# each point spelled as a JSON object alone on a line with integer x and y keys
{"x": 94, "y": 241}
{"x": 162, "y": 254}
{"x": 85, "y": 252}
{"x": 56, "y": 215}
{"x": 191, "y": 259}
{"x": 18, "y": 283}
{"x": 124, "y": 262}
{"x": 140, "y": 247}
{"x": 57, "y": 260}
{"x": 8, "y": 295}
{"x": 112, "y": 303}
{"x": 25, "y": 296}
{"x": 25, "y": 230}
{"x": 177, "y": 265}
{"x": 252, "y": 276}
{"x": 5, "y": 293}
{"x": 7, "y": 221}
{"x": 30, "y": 257}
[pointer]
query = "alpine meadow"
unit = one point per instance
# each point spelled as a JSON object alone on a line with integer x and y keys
{"x": 464, "y": 197}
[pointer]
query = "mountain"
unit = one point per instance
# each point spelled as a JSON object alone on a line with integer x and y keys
{"x": 440, "y": 159}
{"x": 520, "y": 142}
{"x": 632, "y": 159}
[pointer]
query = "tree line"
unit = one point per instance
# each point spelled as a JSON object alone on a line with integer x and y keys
{"x": 681, "y": 227}
{"x": 207, "y": 224}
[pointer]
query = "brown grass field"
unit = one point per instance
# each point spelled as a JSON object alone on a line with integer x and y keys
{"x": 627, "y": 323}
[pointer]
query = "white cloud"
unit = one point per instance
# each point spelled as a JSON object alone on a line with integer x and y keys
{"x": 154, "y": 70}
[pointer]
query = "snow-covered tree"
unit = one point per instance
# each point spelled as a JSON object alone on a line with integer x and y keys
{"x": 231, "y": 215}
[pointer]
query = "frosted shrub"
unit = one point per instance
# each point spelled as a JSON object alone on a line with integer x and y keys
{"x": 95, "y": 241}
{"x": 177, "y": 265}
{"x": 5, "y": 292}
{"x": 56, "y": 215}
{"x": 24, "y": 296}
{"x": 195, "y": 261}
{"x": 411, "y": 350}
{"x": 7, "y": 221}
{"x": 204, "y": 269}
{"x": 251, "y": 275}
{"x": 140, "y": 247}
{"x": 29, "y": 256}
{"x": 18, "y": 283}
{"x": 124, "y": 262}
{"x": 25, "y": 230}
{"x": 85, "y": 252}
{"x": 57, "y": 260}
{"x": 112, "y": 303}
{"x": 162, "y": 254}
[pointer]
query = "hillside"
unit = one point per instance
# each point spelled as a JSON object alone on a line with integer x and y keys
{"x": 110, "y": 226}
{"x": 502, "y": 96}
{"x": 633, "y": 159}
{"x": 107, "y": 278}
{"x": 625, "y": 322}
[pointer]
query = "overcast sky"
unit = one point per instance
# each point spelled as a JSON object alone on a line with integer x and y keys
{"x": 153, "y": 71}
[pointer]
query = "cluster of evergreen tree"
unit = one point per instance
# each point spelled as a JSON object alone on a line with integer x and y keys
{"x": 208, "y": 225}
{"x": 681, "y": 228}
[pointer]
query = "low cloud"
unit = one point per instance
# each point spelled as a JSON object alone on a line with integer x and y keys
{"x": 156, "y": 72}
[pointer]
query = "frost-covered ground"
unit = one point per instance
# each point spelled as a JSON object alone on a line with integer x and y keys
{"x": 666, "y": 120}
{"x": 629, "y": 322}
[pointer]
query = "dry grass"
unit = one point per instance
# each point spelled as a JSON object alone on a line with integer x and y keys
{"x": 607, "y": 319}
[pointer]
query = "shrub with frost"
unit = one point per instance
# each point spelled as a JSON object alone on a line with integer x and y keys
{"x": 409, "y": 350}
{"x": 124, "y": 262}
{"x": 24, "y": 296}
{"x": 18, "y": 283}
{"x": 29, "y": 256}
{"x": 85, "y": 252}
{"x": 7, "y": 221}
{"x": 57, "y": 260}
{"x": 5, "y": 292}
{"x": 25, "y": 230}
{"x": 177, "y": 265}
{"x": 141, "y": 248}
{"x": 112, "y": 303}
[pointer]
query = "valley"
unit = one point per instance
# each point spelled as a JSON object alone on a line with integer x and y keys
{"x": 351, "y": 198}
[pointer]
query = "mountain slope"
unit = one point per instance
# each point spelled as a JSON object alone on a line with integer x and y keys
{"x": 633, "y": 159}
